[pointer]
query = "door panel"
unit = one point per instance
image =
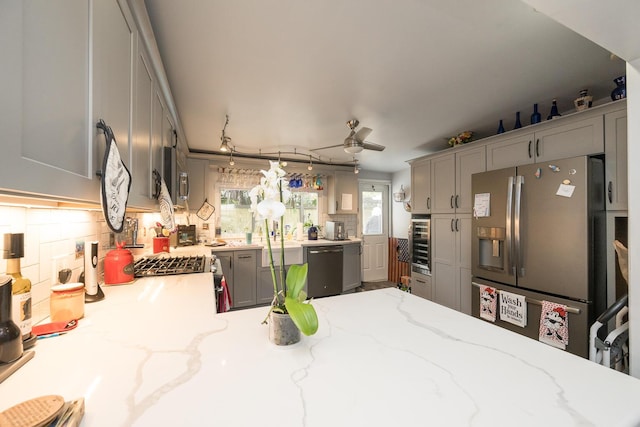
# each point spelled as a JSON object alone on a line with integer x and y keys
{"x": 488, "y": 261}
{"x": 374, "y": 208}
{"x": 555, "y": 248}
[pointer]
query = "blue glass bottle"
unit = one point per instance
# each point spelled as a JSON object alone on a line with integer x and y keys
{"x": 518, "y": 124}
{"x": 500, "y": 128}
{"x": 536, "y": 117}
{"x": 554, "y": 111}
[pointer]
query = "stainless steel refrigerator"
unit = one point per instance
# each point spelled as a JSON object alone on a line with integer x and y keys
{"x": 539, "y": 231}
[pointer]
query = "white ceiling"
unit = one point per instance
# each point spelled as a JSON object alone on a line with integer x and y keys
{"x": 290, "y": 73}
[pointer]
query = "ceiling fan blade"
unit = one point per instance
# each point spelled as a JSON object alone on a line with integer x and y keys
{"x": 362, "y": 134}
{"x": 327, "y": 147}
{"x": 372, "y": 146}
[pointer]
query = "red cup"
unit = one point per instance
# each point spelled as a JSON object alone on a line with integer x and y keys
{"x": 160, "y": 244}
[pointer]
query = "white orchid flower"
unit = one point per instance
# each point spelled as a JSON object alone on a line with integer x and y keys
{"x": 270, "y": 209}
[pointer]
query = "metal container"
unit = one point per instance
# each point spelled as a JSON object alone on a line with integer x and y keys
{"x": 334, "y": 230}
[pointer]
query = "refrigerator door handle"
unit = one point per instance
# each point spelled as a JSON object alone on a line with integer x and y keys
{"x": 511, "y": 268}
{"x": 516, "y": 225}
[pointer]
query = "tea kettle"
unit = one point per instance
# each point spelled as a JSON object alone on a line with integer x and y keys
{"x": 118, "y": 266}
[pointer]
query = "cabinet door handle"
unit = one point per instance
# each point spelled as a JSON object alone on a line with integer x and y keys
{"x": 452, "y": 221}
{"x": 244, "y": 256}
{"x": 457, "y": 197}
{"x": 451, "y": 201}
{"x": 610, "y": 191}
{"x": 428, "y": 202}
{"x": 537, "y": 147}
{"x": 336, "y": 205}
{"x": 530, "y": 148}
{"x": 457, "y": 224}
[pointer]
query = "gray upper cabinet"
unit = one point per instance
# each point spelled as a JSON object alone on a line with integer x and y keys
{"x": 342, "y": 193}
{"x": 615, "y": 124}
{"x": 197, "y": 172}
{"x": 66, "y": 65}
{"x": 451, "y": 179}
{"x": 421, "y": 186}
{"x": 113, "y": 40}
{"x": 141, "y": 170}
{"x": 577, "y": 135}
{"x": 45, "y": 103}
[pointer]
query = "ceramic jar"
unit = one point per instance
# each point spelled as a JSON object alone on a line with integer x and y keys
{"x": 620, "y": 92}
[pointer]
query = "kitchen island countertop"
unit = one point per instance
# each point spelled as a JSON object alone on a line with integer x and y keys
{"x": 155, "y": 353}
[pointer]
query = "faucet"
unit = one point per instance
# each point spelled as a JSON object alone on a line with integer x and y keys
{"x": 131, "y": 233}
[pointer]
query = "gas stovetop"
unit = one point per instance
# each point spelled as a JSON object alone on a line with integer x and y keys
{"x": 166, "y": 266}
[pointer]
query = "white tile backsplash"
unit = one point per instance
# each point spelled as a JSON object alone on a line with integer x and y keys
{"x": 50, "y": 233}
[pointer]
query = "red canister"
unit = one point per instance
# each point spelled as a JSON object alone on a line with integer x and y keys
{"x": 160, "y": 244}
{"x": 118, "y": 267}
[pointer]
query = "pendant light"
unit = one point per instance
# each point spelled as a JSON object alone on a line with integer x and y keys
{"x": 310, "y": 167}
{"x": 356, "y": 169}
{"x": 231, "y": 162}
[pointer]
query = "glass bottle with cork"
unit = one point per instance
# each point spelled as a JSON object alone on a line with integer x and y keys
{"x": 20, "y": 286}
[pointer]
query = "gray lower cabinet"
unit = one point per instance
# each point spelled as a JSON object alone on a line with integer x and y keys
{"x": 240, "y": 272}
{"x": 244, "y": 278}
{"x": 265, "y": 284}
{"x": 351, "y": 267}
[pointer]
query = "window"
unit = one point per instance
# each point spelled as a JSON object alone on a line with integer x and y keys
{"x": 236, "y": 217}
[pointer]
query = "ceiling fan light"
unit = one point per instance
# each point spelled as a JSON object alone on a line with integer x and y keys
{"x": 352, "y": 146}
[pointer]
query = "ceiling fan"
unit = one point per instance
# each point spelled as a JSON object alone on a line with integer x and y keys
{"x": 355, "y": 142}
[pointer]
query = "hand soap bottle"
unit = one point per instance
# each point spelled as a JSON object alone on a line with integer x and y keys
{"x": 21, "y": 286}
{"x": 313, "y": 232}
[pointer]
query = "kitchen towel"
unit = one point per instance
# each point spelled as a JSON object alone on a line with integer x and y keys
{"x": 166, "y": 208}
{"x": 488, "y": 303}
{"x": 554, "y": 325}
{"x": 115, "y": 183}
{"x": 402, "y": 250}
{"x": 224, "y": 299}
{"x": 513, "y": 308}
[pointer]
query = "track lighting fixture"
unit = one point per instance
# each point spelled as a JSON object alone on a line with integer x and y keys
{"x": 225, "y": 147}
{"x": 310, "y": 167}
{"x": 280, "y": 162}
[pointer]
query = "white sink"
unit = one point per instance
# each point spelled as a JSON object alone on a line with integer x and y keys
{"x": 292, "y": 254}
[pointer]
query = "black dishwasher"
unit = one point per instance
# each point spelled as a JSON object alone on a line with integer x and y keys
{"x": 325, "y": 270}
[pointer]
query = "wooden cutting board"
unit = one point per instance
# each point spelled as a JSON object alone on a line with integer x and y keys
{"x": 36, "y": 412}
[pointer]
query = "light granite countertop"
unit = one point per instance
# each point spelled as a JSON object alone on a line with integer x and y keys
{"x": 154, "y": 353}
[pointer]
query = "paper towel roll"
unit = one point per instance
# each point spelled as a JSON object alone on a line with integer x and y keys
{"x": 299, "y": 231}
{"x": 91, "y": 267}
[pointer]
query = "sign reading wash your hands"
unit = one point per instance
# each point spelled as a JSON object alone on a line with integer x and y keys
{"x": 513, "y": 308}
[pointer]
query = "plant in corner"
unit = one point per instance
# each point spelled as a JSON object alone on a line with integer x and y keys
{"x": 268, "y": 204}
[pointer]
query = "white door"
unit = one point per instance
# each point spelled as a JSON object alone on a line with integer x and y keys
{"x": 374, "y": 209}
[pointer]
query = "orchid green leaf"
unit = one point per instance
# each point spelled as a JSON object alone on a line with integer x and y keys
{"x": 296, "y": 278}
{"x": 303, "y": 315}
